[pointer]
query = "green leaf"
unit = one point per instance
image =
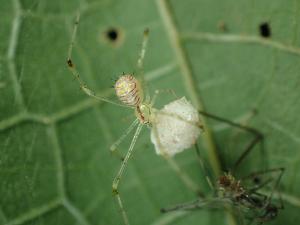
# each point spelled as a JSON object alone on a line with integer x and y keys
{"x": 55, "y": 164}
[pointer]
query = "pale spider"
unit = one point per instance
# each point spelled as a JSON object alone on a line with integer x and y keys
{"x": 174, "y": 128}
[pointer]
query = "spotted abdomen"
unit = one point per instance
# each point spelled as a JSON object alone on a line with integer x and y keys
{"x": 128, "y": 90}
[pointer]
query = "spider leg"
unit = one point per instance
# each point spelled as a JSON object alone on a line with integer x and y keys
{"x": 270, "y": 209}
{"x": 257, "y": 136}
{"x": 183, "y": 206}
{"x": 140, "y": 63}
{"x": 113, "y": 147}
{"x": 118, "y": 177}
{"x": 161, "y": 91}
{"x": 204, "y": 168}
{"x": 209, "y": 203}
{"x": 75, "y": 73}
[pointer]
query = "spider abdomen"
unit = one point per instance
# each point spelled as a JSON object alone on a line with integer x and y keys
{"x": 128, "y": 90}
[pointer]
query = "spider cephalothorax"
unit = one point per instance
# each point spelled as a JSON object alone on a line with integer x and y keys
{"x": 229, "y": 186}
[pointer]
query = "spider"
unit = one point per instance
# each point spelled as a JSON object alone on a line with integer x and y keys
{"x": 173, "y": 128}
{"x": 232, "y": 191}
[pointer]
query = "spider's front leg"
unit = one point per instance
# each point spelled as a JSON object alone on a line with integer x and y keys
{"x": 71, "y": 65}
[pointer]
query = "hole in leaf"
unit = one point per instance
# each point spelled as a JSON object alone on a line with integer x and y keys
{"x": 112, "y": 34}
{"x": 265, "y": 30}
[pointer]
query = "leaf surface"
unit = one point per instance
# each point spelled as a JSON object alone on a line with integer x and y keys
{"x": 55, "y": 165}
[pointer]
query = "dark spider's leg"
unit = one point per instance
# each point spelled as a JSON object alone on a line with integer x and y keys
{"x": 268, "y": 209}
{"x": 210, "y": 203}
{"x": 260, "y": 195}
{"x": 204, "y": 168}
{"x": 183, "y": 206}
{"x": 258, "y": 136}
{"x": 280, "y": 172}
{"x": 261, "y": 185}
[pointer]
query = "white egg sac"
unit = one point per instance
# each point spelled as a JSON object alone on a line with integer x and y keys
{"x": 177, "y": 127}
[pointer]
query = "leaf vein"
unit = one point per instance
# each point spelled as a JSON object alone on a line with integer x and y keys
{"x": 36, "y": 212}
{"x": 235, "y": 38}
{"x": 12, "y": 46}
